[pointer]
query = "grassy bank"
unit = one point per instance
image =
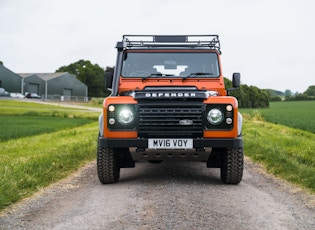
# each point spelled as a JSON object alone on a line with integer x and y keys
{"x": 285, "y": 152}
{"x": 30, "y": 163}
{"x": 274, "y": 137}
{"x": 41, "y": 144}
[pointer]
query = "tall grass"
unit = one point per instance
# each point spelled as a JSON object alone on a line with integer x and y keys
{"x": 40, "y": 144}
{"x": 30, "y": 163}
{"x": 282, "y": 138}
{"x": 284, "y": 151}
{"x": 96, "y": 101}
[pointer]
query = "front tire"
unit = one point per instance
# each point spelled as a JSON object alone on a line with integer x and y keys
{"x": 108, "y": 168}
{"x": 232, "y": 166}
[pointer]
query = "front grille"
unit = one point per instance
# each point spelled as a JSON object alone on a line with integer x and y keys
{"x": 170, "y": 119}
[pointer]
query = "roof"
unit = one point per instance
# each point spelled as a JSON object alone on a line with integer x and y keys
{"x": 6, "y": 71}
{"x": 44, "y": 76}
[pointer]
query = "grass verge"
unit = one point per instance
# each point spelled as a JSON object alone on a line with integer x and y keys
{"x": 30, "y": 163}
{"x": 285, "y": 152}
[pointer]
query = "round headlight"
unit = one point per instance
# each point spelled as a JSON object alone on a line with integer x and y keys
{"x": 215, "y": 116}
{"x": 125, "y": 116}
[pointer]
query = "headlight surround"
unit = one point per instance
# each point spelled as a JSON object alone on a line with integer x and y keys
{"x": 218, "y": 117}
{"x": 126, "y": 116}
{"x": 121, "y": 117}
{"x": 215, "y": 116}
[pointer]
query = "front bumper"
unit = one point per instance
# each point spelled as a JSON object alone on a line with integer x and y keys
{"x": 197, "y": 143}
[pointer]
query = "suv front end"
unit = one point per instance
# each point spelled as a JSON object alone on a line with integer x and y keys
{"x": 168, "y": 102}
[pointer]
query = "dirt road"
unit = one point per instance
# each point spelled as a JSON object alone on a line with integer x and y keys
{"x": 165, "y": 196}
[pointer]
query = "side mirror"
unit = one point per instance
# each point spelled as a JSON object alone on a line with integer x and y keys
{"x": 108, "y": 79}
{"x": 236, "y": 80}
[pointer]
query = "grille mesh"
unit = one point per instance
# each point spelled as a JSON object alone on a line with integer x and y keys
{"x": 163, "y": 120}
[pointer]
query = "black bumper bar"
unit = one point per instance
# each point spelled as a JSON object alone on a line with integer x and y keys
{"x": 197, "y": 143}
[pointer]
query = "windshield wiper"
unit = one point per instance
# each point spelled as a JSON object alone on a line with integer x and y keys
{"x": 156, "y": 75}
{"x": 192, "y": 75}
{"x": 152, "y": 75}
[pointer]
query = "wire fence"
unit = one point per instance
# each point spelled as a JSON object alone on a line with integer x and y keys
{"x": 65, "y": 98}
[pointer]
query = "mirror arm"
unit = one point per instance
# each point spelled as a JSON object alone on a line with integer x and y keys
{"x": 236, "y": 83}
{"x": 231, "y": 89}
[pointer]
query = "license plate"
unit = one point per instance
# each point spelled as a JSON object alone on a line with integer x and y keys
{"x": 170, "y": 144}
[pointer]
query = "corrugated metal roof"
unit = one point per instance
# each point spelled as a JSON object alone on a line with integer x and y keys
{"x": 24, "y": 75}
{"x": 44, "y": 76}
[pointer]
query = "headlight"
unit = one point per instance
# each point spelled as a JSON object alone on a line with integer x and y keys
{"x": 121, "y": 117}
{"x": 125, "y": 116}
{"x": 215, "y": 116}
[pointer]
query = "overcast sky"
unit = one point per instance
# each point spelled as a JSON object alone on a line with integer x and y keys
{"x": 270, "y": 42}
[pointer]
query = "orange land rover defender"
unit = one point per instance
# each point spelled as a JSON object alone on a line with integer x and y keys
{"x": 168, "y": 102}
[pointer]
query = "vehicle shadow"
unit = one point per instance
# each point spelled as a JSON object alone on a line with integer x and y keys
{"x": 170, "y": 172}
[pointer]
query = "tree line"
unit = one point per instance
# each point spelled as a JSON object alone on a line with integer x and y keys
{"x": 309, "y": 94}
{"x": 249, "y": 96}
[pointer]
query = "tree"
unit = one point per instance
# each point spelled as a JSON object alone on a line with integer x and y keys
{"x": 110, "y": 69}
{"x": 287, "y": 92}
{"x": 88, "y": 73}
{"x": 249, "y": 96}
{"x": 310, "y": 91}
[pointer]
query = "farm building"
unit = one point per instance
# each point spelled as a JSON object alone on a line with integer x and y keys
{"x": 33, "y": 84}
{"x": 48, "y": 85}
{"x": 9, "y": 80}
{"x": 54, "y": 84}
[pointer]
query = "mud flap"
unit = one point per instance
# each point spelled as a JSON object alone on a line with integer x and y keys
{"x": 125, "y": 159}
{"x": 215, "y": 159}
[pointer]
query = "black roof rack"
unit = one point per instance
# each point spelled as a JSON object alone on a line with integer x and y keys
{"x": 192, "y": 41}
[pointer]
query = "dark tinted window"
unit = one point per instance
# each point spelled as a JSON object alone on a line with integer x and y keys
{"x": 143, "y": 64}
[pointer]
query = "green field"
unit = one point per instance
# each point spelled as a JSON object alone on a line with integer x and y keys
{"x": 24, "y": 108}
{"x": 19, "y": 119}
{"x": 13, "y": 127}
{"x": 41, "y": 144}
{"x": 295, "y": 114}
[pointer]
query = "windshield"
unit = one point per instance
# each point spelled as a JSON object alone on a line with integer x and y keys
{"x": 164, "y": 64}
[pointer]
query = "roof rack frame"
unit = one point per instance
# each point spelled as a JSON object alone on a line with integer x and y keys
{"x": 192, "y": 41}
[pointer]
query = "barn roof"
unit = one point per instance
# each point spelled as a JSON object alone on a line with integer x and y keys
{"x": 44, "y": 76}
{"x": 6, "y": 71}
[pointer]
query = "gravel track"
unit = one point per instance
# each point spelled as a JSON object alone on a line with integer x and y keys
{"x": 165, "y": 196}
